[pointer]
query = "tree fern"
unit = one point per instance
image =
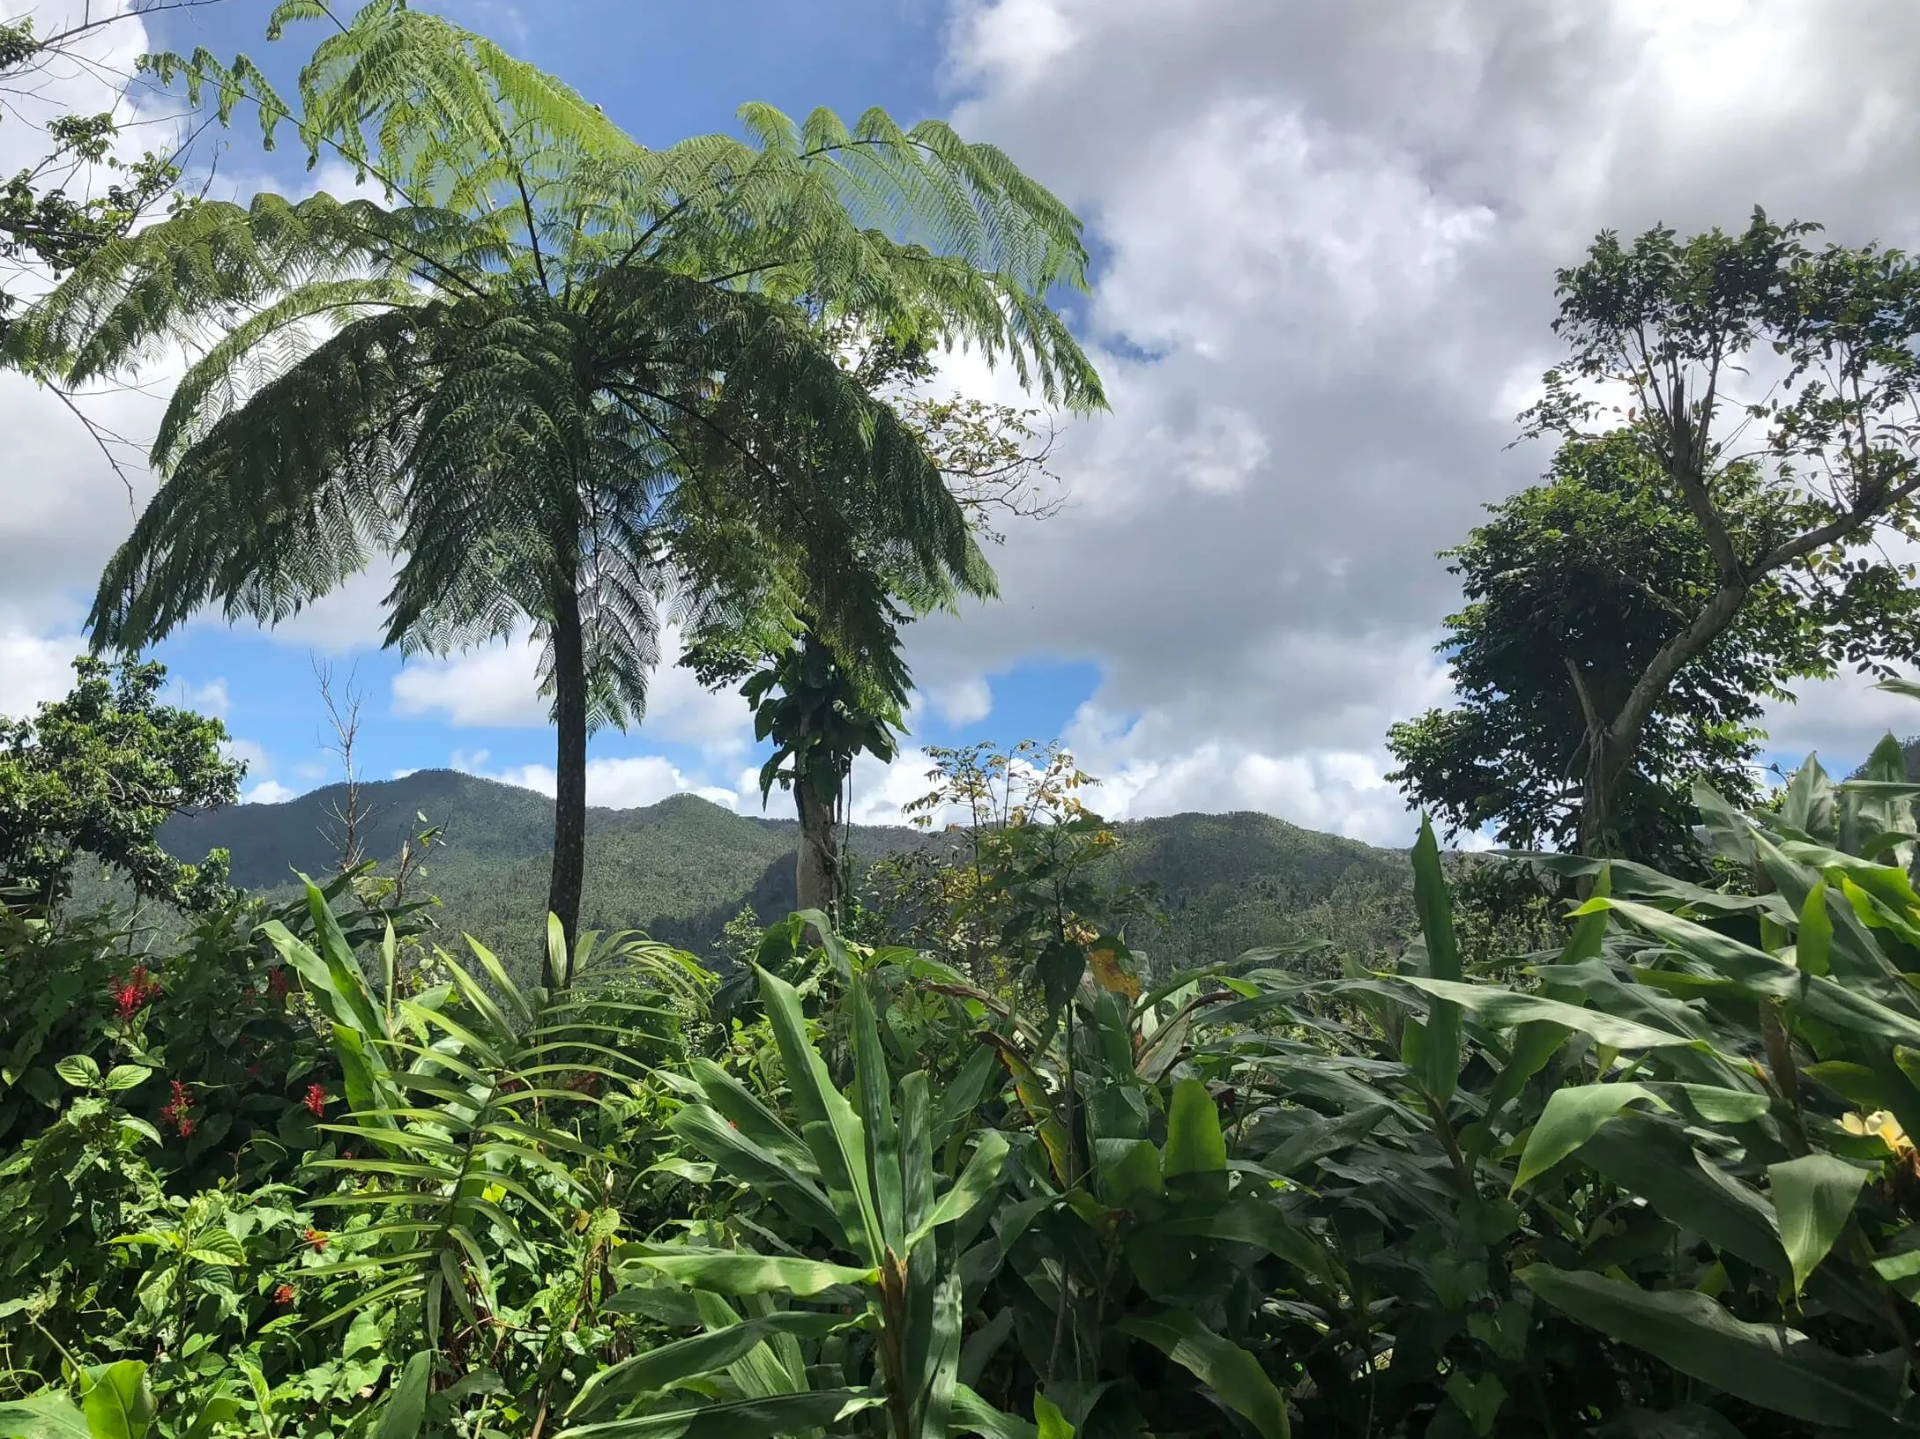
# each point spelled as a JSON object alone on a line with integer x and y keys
{"x": 559, "y": 380}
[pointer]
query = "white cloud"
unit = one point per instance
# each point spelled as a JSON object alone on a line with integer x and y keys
{"x": 616, "y": 783}
{"x": 1327, "y": 237}
{"x": 497, "y": 684}
{"x": 268, "y": 792}
{"x": 1842, "y": 718}
{"x": 34, "y": 670}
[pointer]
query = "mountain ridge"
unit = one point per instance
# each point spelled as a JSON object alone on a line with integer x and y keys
{"x": 679, "y": 869}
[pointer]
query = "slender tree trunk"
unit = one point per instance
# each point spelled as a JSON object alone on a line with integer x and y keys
{"x": 1612, "y": 741}
{"x": 570, "y": 778}
{"x": 817, "y": 871}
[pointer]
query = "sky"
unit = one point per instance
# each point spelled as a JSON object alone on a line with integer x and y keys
{"x": 1325, "y": 238}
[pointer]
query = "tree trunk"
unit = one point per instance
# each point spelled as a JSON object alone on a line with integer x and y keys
{"x": 570, "y": 779}
{"x": 817, "y": 870}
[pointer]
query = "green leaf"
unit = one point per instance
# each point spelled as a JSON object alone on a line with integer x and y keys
{"x": 1769, "y": 1365}
{"x": 1814, "y": 1197}
{"x": 401, "y": 1415}
{"x": 828, "y": 1124}
{"x": 117, "y": 1401}
{"x": 1571, "y": 1118}
{"x": 973, "y": 1415}
{"x": 738, "y": 1274}
{"x": 975, "y": 1183}
{"x": 1049, "y": 1422}
{"x": 45, "y": 1416}
{"x": 1500, "y": 1008}
{"x": 1220, "y": 1364}
{"x": 1479, "y": 1399}
{"x": 79, "y": 1070}
{"x": 684, "y": 1358}
{"x": 1440, "y": 1044}
{"x": 126, "y": 1076}
{"x": 873, "y": 1089}
{"x": 1814, "y": 947}
{"x": 754, "y": 1418}
{"x": 1194, "y": 1143}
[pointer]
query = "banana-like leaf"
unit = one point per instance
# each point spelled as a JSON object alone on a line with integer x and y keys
{"x": 976, "y": 1182}
{"x": 754, "y": 1418}
{"x": 873, "y": 1088}
{"x": 1768, "y": 1365}
{"x": 1814, "y": 1197}
{"x": 1195, "y": 1145}
{"x": 407, "y": 1405}
{"x": 974, "y": 1415}
{"x": 1499, "y": 1008}
{"x": 1571, "y": 1118}
{"x": 685, "y": 1358}
{"x": 1220, "y": 1364}
{"x": 738, "y": 1274}
{"x": 832, "y": 1130}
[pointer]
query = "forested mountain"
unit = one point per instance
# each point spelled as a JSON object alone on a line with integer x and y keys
{"x": 681, "y": 868}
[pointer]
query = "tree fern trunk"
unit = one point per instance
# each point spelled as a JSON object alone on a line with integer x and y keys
{"x": 817, "y": 878}
{"x": 570, "y": 783}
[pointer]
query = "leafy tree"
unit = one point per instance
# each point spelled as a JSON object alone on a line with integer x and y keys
{"x": 562, "y": 374}
{"x": 97, "y": 773}
{"x": 52, "y": 215}
{"x": 1577, "y": 584}
{"x": 821, "y": 707}
{"x": 1756, "y": 375}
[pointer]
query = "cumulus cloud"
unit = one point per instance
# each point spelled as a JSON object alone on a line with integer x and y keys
{"x": 1326, "y": 240}
{"x": 33, "y": 670}
{"x": 498, "y": 684}
{"x": 613, "y": 783}
{"x": 268, "y": 792}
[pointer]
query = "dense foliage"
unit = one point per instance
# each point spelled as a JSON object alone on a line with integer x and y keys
{"x": 1735, "y": 410}
{"x": 310, "y": 1176}
{"x": 1601, "y": 565}
{"x": 97, "y": 773}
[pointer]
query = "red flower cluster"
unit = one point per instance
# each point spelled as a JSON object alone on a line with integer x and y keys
{"x": 318, "y": 1239}
{"x": 316, "y": 1101}
{"x": 179, "y": 1113}
{"x": 585, "y": 1082}
{"x": 135, "y": 992}
{"x": 277, "y": 983}
{"x": 283, "y": 1295}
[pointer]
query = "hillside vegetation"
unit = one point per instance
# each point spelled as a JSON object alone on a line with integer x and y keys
{"x": 680, "y": 869}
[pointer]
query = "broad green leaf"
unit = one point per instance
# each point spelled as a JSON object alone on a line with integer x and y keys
{"x": 51, "y": 1416}
{"x": 1440, "y": 1044}
{"x": 1571, "y": 1118}
{"x": 684, "y": 1358}
{"x": 1499, "y": 1008}
{"x": 1769, "y": 1365}
{"x": 744, "y": 1162}
{"x": 1814, "y": 1197}
{"x": 1655, "y": 1160}
{"x": 973, "y": 1415}
{"x": 738, "y": 1274}
{"x": 1249, "y": 1219}
{"x": 1220, "y": 1364}
{"x": 400, "y": 1416}
{"x": 873, "y": 1088}
{"x": 916, "y": 1147}
{"x": 756, "y": 1418}
{"x": 1194, "y": 1142}
{"x": 79, "y": 1070}
{"x": 117, "y": 1401}
{"x": 975, "y": 1183}
{"x": 1048, "y": 1421}
{"x": 126, "y": 1076}
{"x": 1813, "y": 950}
{"x": 828, "y": 1124}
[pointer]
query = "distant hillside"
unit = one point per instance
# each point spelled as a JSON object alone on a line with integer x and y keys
{"x": 681, "y": 868}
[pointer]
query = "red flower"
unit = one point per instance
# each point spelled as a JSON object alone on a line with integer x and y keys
{"x": 283, "y": 1295}
{"x": 134, "y": 993}
{"x": 585, "y": 1082}
{"x": 277, "y": 983}
{"x": 180, "y": 1112}
{"x": 253, "y": 1072}
{"x": 318, "y": 1239}
{"x": 316, "y": 1101}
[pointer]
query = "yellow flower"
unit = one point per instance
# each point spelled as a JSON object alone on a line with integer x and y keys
{"x": 1882, "y": 1124}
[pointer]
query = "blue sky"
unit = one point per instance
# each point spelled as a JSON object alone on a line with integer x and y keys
{"x": 1326, "y": 238}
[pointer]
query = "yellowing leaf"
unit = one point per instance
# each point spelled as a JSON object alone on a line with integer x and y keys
{"x": 1107, "y": 973}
